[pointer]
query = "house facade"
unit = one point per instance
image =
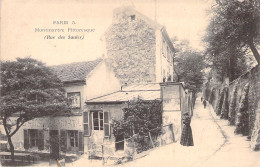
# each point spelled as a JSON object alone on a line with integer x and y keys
{"x": 138, "y": 48}
{"x": 101, "y": 111}
{"x": 63, "y": 134}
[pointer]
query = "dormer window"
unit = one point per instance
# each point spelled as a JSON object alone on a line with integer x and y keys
{"x": 132, "y": 17}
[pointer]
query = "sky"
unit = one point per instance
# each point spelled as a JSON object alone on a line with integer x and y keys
{"x": 186, "y": 19}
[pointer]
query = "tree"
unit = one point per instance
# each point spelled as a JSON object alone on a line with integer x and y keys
{"x": 189, "y": 65}
{"x": 233, "y": 30}
{"x": 139, "y": 117}
{"x": 29, "y": 90}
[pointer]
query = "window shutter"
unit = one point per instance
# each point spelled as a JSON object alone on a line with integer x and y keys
{"x": 90, "y": 123}
{"x": 106, "y": 124}
{"x": 81, "y": 146}
{"x": 40, "y": 140}
{"x": 26, "y": 139}
{"x": 86, "y": 123}
{"x": 63, "y": 140}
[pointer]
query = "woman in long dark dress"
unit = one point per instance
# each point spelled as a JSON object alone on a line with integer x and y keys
{"x": 186, "y": 135}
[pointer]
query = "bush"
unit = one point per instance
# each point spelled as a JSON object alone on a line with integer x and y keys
{"x": 232, "y": 106}
{"x": 220, "y": 102}
{"x": 224, "y": 108}
{"x": 139, "y": 117}
{"x": 242, "y": 123}
{"x": 212, "y": 95}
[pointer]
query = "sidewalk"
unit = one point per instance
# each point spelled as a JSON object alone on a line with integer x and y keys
{"x": 236, "y": 149}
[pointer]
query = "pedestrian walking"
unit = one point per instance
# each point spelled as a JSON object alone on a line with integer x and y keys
{"x": 186, "y": 135}
{"x": 205, "y": 103}
{"x": 201, "y": 99}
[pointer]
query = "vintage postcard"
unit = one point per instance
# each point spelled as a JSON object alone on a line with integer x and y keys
{"x": 130, "y": 83}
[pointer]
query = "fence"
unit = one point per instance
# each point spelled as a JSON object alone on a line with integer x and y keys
{"x": 133, "y": 147}
{"x": 166, "y": 135}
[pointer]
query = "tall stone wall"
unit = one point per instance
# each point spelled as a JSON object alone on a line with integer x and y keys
{"x": 130, "y": 48}
{"x": 236, "y": 90}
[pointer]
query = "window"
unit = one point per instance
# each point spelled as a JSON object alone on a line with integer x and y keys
{"x": 164, "y": 78}
{"x": 163, "y": 48}
{"x": 119, "y": 142}
{"x": 33, "y": 135}
{"x": 132, "y": 17}
{"x": 33, "y": 138}
{"x": 171, "y": 57}
{"x": 98, "y": 120}
{"x": 74, "y": 99}
{"x": 168, "y": 54}
{"x": 73, "y": 137}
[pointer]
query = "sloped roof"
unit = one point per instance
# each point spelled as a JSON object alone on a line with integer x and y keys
{"x": 75, "y": 71}
{"x": 142, "y": 87}
{"x": 149, "y": 91}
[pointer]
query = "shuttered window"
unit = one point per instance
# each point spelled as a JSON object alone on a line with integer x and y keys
{"x": 81, "y": 145}
{"x": 86, "y": 123}
{"x": 106, "y": 124}
{"x": 33, "y": 135}
{"x": 98, "y": 120}
{"x": 34, "y": 138}
{"x": 73, "y": 136}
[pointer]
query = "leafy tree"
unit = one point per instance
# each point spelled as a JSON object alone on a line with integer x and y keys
{"x": 139, "y": 117}
{"x": 233, "y": 30}
{"x": 189, "y": 65}
{"x": 29, "y": 90}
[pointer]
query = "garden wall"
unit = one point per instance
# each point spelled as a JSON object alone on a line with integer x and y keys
{"x": 239, "y": 103}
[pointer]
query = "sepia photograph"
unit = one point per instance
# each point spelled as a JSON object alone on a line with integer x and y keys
{"x": 130, "y": 83}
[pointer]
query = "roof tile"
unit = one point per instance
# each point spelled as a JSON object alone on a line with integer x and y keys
{"x": 75, "y": 71}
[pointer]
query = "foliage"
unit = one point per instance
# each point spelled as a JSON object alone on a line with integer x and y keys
{"x": 220, "y": 102}
{"x": 212, "y": 95}
{"x": 189, "y": 65}
{"x": 224, "y": 108}
{"x": 233, "y": 29}
{"x": 242, "y": 123}
{"x": 29, "y": 90}
{"x": 232, "y": 106}
{"x": 139, "y": 117}
{"x": 206, "y": 91}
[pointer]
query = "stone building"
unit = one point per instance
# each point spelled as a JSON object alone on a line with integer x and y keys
{"x": 138, "y": 48}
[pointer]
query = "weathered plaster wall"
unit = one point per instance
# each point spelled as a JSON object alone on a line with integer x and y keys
{"x": 101, "y": 81}
{"x": 175, "y": 103}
